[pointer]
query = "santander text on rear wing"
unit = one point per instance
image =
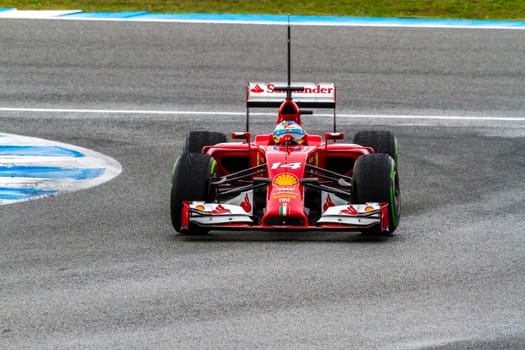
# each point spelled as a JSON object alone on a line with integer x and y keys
{"x": 309, "y": 95}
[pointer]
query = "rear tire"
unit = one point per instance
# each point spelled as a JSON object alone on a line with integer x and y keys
{"x": 190, "y": 182}
{"x": 380, "y": 141}
{"x": 376, "y": 179}
{"x": 196, "y": 140}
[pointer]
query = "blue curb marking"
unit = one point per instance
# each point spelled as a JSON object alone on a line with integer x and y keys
{"x": 42, "y": 151}
{"x": 50, "y": 172}
{"x": 282, "y": 19}
{"x": 277, "y": 19}
{"x": 32, "y": 168}
{"x": 129, "y": 14}
{"x": 15, "y": 194}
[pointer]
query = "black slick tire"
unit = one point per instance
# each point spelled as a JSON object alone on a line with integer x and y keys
{"x": 376, "y": 179}
{"x": 196, "y": 140}
{"x": 380, "y": 141}
{"x": 190, "y": 182}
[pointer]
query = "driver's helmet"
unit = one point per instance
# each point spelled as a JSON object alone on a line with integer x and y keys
{"x": 291, "y": 128}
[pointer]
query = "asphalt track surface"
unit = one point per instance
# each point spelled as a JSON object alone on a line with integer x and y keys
{"x": 103, "y": 268}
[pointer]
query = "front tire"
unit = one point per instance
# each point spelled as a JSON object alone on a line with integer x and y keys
{"x": 190, "y": 182}
{"x": 376, "y": 179}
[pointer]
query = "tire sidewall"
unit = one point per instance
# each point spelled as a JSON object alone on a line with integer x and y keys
{"x": 376, "y": 179}
{"x": 190, "y": 182}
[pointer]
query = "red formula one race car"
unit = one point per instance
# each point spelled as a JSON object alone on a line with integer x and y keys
{"x": 287, "y": 179}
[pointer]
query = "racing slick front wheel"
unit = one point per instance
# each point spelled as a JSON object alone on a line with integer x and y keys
{"x": 196, "y": 140}
{"x": 190, "y": 182}
{"x": 376, "y": 179}
{"x": 380, "y": 141}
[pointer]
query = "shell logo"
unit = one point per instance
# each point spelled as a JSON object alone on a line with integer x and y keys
{"x": 285, "y": 180}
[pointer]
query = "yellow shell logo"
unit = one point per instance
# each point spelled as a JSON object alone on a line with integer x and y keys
{"x": 285, "y": 180}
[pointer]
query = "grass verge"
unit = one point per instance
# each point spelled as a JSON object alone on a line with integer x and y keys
{"x": 468, "y": 9}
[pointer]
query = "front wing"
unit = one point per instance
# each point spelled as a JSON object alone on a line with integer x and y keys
{"x": 353, "y": 217}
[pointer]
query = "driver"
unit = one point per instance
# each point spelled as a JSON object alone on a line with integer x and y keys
{"x": 288, "y": 131}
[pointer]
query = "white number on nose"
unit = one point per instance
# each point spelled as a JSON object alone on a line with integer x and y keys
{"x": 293, "y": 166}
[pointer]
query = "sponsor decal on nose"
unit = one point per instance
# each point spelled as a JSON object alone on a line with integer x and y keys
{"x": 285, "y": 180}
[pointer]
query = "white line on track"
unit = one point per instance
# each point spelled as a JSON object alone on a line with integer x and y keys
{"x": 312, "y": 23}
{"x": 225, "y": 113}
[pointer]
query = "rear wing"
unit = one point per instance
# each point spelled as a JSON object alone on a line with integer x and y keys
{"x": 309, "y": 95}
{"x": 305, "y": 95}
